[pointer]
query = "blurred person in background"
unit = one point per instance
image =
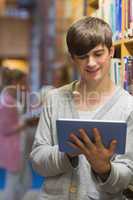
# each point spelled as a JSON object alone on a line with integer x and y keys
{"x": 13, "y": 137}
{"x": 20, "y": 80}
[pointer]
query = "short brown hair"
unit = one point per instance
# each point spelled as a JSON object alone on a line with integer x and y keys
{"x": 86, "y": 33}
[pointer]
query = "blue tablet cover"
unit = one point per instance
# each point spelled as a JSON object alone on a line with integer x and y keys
{"x": 109, "y": 130}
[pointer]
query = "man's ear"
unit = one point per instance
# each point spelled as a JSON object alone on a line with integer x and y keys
{"x": 112, "y": 51}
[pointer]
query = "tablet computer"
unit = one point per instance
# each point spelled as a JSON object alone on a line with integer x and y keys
{"x": 109, "y": 130}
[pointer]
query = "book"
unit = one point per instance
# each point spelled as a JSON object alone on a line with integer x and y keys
{"x": 109, "y": 130}
{"x": 128, "y": 74}
{"x": 115, "y": 71}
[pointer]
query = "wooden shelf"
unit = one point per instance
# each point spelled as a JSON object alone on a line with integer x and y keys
{"x": 93, "y": 3}
{"x": 124, "y": 41}
{"x": 11, "y": 2}
{"x": 15, "y": 37}
{"x": 117, "y": 43}
{"x": 128, "y": 41}
{"x": 19, "y": 18}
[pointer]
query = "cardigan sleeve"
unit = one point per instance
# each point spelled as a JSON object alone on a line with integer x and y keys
{"x": 121, "y": 175}
{"x": 46, "y": 158}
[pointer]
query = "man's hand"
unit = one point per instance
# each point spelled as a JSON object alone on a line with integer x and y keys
{"x": 97, "y": 155}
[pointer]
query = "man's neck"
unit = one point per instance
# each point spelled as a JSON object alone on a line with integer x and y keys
{"x": 91, "y": 96}
{"x": 104, "y": 86}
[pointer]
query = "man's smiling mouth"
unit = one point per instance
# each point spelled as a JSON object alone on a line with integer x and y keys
{"x": 92, "y": 70}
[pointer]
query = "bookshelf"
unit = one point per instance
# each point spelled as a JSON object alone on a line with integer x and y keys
{"x": 119, "y": 15}
{"x": 15, "y": 31}
{"x": 66, "y": 14}
{"x": 124, "y": 43}
{"x": 15, "y": 37}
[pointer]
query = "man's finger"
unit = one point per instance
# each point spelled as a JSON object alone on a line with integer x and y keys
{"x": 71, "y": 144}
{"x": 112, "y": 147}
{"x": 79, "y": 144}
{"x": 86, "y": 140}
{"x": 97, "y": 138}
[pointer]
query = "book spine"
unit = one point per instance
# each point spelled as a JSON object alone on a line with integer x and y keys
{"x": 119, "y": 16}
{"x": 125, "y": 85}
{"x": 112, "y": 16}
{"x": 126, "y": 16}
{"x": 115, "y": 71}
{"x": 130, "y": 75}
{"x": 131, "y": 15}
{"x": 118, "y": 5}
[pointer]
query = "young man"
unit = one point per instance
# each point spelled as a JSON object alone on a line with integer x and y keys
{"x": 97, "y": 172}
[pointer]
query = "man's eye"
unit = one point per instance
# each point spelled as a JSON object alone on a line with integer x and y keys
{"x": 98, "y": 54}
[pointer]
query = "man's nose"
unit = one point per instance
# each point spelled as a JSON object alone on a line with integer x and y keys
{"x": 91, "y": 61}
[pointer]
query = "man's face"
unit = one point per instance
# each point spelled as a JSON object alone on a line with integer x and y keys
{"x": 94, "y": 65}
